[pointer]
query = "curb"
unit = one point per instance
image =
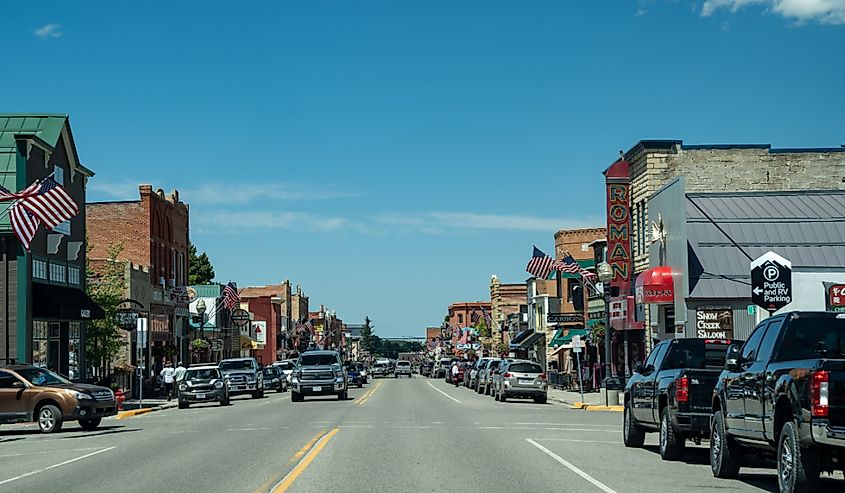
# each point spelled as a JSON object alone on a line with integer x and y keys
{"x": 137, "y": 412}
{"x": 593, "y": 407}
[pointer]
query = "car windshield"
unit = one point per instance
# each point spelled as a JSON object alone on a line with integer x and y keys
{"x": 525, "y": 368}
{"x": 811, "y": 338}
{"x": 244, "y": 364}
{"x": 403, "y": 363}
{"x": 695, "y": 354}
{"x": 42, "y": 376}
{"x": 317, "y": 359}
{"x": 286, "y": 365}
{"x": 494, "y": 364}
{"x": 270, "y": 372}
{"x": 202, "y": 374}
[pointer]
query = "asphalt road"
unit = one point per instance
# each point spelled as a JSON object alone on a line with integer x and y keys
{"x": 393, "y": 435}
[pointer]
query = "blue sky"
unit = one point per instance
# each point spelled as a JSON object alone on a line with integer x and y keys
{"x": 389, "y": 156}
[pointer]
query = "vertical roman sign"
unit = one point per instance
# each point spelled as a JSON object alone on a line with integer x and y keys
{"x": 619, "y": 225}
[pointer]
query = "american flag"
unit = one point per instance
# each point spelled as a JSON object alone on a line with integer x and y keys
{"x": 51, "y": 204}
{"x": 24, "y": 224}
{"x": 474, "y": 318}
{"x": 231, "y": 298}
{"x": 488, "y": 319}
{"x": 540, "y": 264}
{"x": 569, "y": 265}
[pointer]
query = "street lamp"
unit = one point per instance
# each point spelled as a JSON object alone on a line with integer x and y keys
{"x": 201, "y": 312}
{"x": 605, "y": 274}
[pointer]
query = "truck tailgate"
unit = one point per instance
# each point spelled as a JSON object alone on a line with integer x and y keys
{"x": 701, "y": 385}
{"x": 836, "y": 411}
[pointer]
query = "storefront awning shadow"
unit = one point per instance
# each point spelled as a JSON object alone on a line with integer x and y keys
{"x": 51, "y": 302}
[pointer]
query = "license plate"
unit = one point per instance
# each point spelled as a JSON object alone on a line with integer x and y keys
{"x": 317, "y": 389}
{"x": 525, "y": 380}
{"x": 200, "y": 396}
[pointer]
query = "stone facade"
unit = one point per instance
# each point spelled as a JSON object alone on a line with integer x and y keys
{"x": 505, "y": 299}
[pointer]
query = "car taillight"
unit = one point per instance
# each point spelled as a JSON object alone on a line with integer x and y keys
{"x": 820, "y": 393}
{"x": 717, "y": 341}
{"x": 682, "y": 389}
{"x": 541, "y": 376}
{"x": 507, "y": 375}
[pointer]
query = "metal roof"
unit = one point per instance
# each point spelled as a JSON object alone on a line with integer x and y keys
{"x": 807, "y": 227}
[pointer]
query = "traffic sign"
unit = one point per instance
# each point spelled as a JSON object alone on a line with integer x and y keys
{"x": 577, "y": 344}
{"x": 240, "y": 317}
{"x": 771, "y": 281}
{"x": 565, "y": 318}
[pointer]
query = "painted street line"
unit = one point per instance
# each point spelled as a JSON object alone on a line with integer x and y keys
{"x": 49, "y": 452}
{"x": 288, "y": 480}
{"x": 577, "y": 441}
{"x": 595, "y": 482}
{"x": 444, "y": 393}
{"x": 38, "y": 471}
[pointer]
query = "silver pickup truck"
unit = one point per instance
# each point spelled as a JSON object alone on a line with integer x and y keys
{"x": 243, "y": 376}
{"x": 318, "y": 373}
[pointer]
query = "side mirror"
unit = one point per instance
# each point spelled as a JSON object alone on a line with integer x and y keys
{"x": 733, "y": 358}
{"x": 639, "y": 368}
{"x": 18, "y": 385}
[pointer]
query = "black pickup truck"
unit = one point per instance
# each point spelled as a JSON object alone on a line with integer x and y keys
{"x": 672, "y": 392}
{"x": 782, "y": 394}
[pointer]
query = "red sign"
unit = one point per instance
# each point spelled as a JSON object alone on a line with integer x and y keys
{"x": 619, "y": 224}
{"x": 836, "y": 297}
{"x": 656, "y": 286}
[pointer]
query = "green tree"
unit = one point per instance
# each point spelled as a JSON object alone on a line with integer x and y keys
{"x": 200, "y": 270}
{"x": 107, "y": 288}
{"x": 367, "y": 335}
{"x": 483, "y": 330}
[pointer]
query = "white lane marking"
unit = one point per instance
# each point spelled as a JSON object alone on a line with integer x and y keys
{"x": 356, "y": 426}
{"x": 550, "y": 429}
{"x": 565, "y": 424}
{"x": 38, "y": 471}
{"x": 575, "y": 440}
{"x": 438, "y": 422}
{"x": 49, "y": 452}
{"x": 595, "y": 482}
{"x": 444, "y": 393}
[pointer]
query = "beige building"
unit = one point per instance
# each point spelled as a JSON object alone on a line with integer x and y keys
{"x": 505, "y": 299}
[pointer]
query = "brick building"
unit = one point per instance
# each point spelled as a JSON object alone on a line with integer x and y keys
{"x": 650, "y": 164}
{"x": 505, "y": 299}
{"x": 154, "y": 233}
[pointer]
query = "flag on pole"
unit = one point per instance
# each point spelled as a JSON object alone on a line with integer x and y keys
{"x": 231, "y": 298}
{"x": 488, "y": 319}
{"x": 474, "y": 318}
{"x": 570, "y": 265}
{"x": 540, "y": 264}
{"x": 51, "y": 204}
{"x": 24, "y": 224}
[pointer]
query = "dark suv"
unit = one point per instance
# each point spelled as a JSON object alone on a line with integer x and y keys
{"x": 318, "y": 373}
{"x": 203, "y": 384}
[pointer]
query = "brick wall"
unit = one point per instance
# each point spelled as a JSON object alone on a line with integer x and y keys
{"x": 110, "y": 223}
{"x": 577, "y": 242}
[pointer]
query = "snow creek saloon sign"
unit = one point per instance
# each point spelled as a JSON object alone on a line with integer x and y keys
{"x": 771, "y": 281}
{"x": 714, "y": 323}
{"x": 618, "y": 231}
{"x": 240, "y": 317}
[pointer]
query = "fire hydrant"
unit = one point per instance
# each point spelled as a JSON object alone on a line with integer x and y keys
{"x": 119, "y": 397}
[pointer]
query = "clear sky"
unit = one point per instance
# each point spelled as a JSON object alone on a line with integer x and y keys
{"x": 389, "y": 156}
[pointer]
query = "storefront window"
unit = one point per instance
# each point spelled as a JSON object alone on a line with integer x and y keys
{"x": 58, "y": 273}
{"x": 74, "y": 331}
{"x": 39, "y": 269}
{"x": 39, "y": 342}
{"x": 73, "y": 275}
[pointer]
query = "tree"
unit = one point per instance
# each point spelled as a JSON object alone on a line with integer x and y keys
{"x": 107, "y": 288}
{"x": 200, "y": 270}
{"x": 367, "y": 335}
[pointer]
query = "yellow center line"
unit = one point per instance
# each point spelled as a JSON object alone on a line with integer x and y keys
{"x": 288, "y": 480}
{"x": 369, "y": 394}
{"x": 265, "y": 486}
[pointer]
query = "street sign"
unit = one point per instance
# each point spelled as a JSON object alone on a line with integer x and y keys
{"x": 752, "y": 309}
{"x": 240, "y": 317}
{"x": 771, "y": 281}
{"x": 577, "y": 344}
{"x": 141, "y": 328}
{"x": 565, "y": 318}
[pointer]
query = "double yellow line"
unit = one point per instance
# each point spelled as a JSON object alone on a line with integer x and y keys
{"x": 306, "y": 455}
{"x": 366, "y": 395}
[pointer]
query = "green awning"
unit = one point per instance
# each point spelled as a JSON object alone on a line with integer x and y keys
{"x": 564, "y": 336}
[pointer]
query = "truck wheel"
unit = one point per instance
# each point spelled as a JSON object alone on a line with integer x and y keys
{"x": 224, "y": 401}
{"x": 90, "y": 424}
{"x": 724, "y": 453}
{"x": 295, "y": 396}
{"x": 672, "y": 444}
{"x": 542, "y": 399}
{"x": 632, "y": 435}
{"x": 360, "y": 385}
{"x": 183, "y": 405}
{"x": 49, "y": 419}
{"x": 342, "y": 396}
{"x": 798, "y": 468}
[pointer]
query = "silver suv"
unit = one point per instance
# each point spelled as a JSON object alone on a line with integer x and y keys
{"x": 402, "y": 368}
{"x": 319, "y": 373}
{"x": 203, "y": 384}
{"x": 520, "y": 378}
{"x": 243, "y": 376}
{"x": 485, "y": 377}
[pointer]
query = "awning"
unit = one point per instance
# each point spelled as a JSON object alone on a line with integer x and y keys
{"x": 50, "y": 302}
{"x": 247, "y": 343}
{"x": 206, "y": 327}
{"x": 563, "y": 337}
{"x": 656, "y": 286}
{"x": 526, "y": 342}
{"x": 520, "y": 337}
{"x": 558, "y": 350}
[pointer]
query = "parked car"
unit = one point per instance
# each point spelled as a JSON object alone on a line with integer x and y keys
{"x": 353, "y": 374}
{"x": 365, "y": 374}
{"x": 203, "y": 383}
{"x": 672, "y": 393}
{"x": 380, "y": 370}
{"x": 474, "y": 372}
{"x": 29, "y": 393}
{"x": 243, "y": 376}
{"x": 319, "y": 373}
{"x": 521, "y": 379}
{"x": 286, "y": 366}
{"x": 442, "y": 367}
{"x": 457, "y": 378}
{"x": 783, "y": 394}
{"x": 274, "y": 379}
{"x": 427, "y": 369}
{"x": 485, "y": 380}
{"x": 402, "y": 368}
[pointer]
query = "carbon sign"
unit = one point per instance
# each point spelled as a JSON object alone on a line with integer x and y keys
{"x": 771, "y": 281}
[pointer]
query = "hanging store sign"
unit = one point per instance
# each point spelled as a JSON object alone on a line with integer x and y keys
{"x": 259, "y": 329}
{"x": 619, "y": 223}
{"x": 240, "y": 318}
{"x": 835, "y": 299}
{"x": 714, "y": 323}
{"x": 618, "y": 309}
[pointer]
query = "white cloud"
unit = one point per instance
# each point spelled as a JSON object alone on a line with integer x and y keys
{"x": 123, "y": 190}
{"x": 443, "y": 222}
{"x": 822, "y": 11}
{"x": 49, "y": 31}
{"x": 641, "y": 12}
{"x": 256, "y": 221}
{"x": 220, "y": 193}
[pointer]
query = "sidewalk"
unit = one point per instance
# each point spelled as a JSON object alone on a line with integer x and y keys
{"x": 131, "y": 407}
{"x": 593, "y": 401}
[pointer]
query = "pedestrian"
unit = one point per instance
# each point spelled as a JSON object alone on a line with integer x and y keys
{"x": 180, "y": 372}
{"x": 168, "y": 376}
{"x": 454, "y": 372}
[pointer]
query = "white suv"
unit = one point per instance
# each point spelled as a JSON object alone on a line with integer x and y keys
{"x": 402, "y": 368}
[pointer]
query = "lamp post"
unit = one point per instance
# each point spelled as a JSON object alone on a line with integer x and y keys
{"x": 201, "y": 312}
{"x": 605, "y": 275}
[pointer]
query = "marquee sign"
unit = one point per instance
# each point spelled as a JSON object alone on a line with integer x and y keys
{"x": 619, "y": 223}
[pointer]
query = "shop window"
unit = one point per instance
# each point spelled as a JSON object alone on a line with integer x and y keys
{"x": 58, "y": 273}
{"x": 39, "y": 269}
{"x": 74, "y": 331}
{"x": 73, "y": 275}
{"x": 40, "y": 329}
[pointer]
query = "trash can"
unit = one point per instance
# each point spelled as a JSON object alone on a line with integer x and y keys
{"x": 611, "y": 387}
